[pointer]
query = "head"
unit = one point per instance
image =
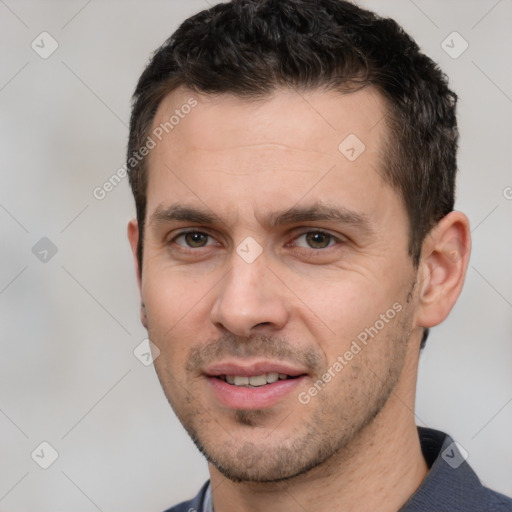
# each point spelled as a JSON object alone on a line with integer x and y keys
{"x": 293, "y": 166}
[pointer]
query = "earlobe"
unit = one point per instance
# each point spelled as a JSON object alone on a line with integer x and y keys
{"x": 442, "y": 268}
{"x": 133, "y": 238}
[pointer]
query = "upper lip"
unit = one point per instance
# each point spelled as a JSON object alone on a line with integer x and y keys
{"x": 251, "y": 369}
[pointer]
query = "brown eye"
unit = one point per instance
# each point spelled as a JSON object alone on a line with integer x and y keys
{"x": 193, "y": 239}
{"x": 318, "y": 239}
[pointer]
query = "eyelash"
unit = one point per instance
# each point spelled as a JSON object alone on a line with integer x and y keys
{"x": 333, "y": 240}
{"x": 190, "y": 232}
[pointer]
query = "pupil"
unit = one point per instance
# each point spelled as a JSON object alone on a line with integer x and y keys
{"x": 318, "y": 240}
{"x": 196, "y": 239}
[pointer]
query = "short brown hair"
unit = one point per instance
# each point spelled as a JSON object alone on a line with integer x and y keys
{"x": 251, "y": 47}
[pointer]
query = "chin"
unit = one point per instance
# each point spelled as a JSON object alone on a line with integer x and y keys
{"x": 261, "y": 461}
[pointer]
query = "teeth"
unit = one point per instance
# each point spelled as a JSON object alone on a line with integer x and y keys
{"x": 272, "y": 377}
{"x": 241, "y": 381}
{"x": 256, "y": 380}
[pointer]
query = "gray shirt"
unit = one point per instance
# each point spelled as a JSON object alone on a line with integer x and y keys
{"x": 450, "y": 486}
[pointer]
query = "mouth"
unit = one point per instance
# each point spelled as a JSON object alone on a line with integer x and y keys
{"x": 254, "y": 381}
{"x": 257, "y": 385}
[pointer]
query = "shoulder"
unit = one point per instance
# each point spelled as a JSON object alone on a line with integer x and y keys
{"x": 451, "y": 484}
{"x": 194, "y": 505}
{"x": 498, "y": 502}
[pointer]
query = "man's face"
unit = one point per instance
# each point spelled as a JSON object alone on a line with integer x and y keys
{"x": 272, "y": 253}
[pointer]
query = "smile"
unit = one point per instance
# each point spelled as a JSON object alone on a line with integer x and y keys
{"x": 253, "y": 384}
{"x": 253, "y": 381}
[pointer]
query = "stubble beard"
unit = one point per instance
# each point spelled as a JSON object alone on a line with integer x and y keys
{"x": 328, "y": 433}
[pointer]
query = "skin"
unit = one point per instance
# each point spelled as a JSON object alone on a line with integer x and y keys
{"x": 302, "y": 301}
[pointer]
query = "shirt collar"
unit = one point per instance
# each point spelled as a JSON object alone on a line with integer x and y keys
{"x": 450, "y": 484}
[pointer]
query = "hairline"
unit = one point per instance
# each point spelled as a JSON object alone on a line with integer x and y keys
{"x": 386, "y": 158}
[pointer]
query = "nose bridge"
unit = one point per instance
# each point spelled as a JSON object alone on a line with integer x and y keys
{"x": 249, "y": 297}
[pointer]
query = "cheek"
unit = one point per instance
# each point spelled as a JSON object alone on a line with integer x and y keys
{"x": 170, "y": 294}
{"x": 354, "y": 308}
{"x": 176, "y": 309}
{"x": 341, "y": 303}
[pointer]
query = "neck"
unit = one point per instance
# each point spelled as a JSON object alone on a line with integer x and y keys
{"x": 379, "y": 470}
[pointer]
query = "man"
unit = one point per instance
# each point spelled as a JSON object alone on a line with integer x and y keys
{"x": 293, "y": 166}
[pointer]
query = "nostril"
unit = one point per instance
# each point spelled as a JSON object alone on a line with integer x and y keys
{"x": 262, "y": 324}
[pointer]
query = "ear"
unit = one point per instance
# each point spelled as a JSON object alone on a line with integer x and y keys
{"x": 442, "y": 268}
{"x": 133, "y": 238}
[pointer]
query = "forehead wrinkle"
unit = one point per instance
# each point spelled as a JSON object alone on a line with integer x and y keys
{"x": 258, "y": 145}
{"x": 255, "y": 172}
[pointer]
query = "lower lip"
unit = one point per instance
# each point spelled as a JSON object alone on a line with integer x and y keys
{"x": 238, "y": 397}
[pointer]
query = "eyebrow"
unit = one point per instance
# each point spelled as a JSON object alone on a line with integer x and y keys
{"x": 294, "y": 215}
{"x": 319, "y": 212}
{"x": 185, "y": 214}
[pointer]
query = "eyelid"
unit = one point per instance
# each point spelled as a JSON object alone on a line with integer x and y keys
{"x": 186, "y": 231}
{"x": 296, "y": 233}
{"x": 338, "y": 238}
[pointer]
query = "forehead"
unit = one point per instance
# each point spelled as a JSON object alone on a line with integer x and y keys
{"x": 326, "y": 116}
{"x": 279, "y": 148}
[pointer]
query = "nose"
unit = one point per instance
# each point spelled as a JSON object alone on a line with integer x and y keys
{"x": 250, "y": 300}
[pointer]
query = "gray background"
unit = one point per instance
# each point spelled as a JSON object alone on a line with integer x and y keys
{"x": 70, "y": 323}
